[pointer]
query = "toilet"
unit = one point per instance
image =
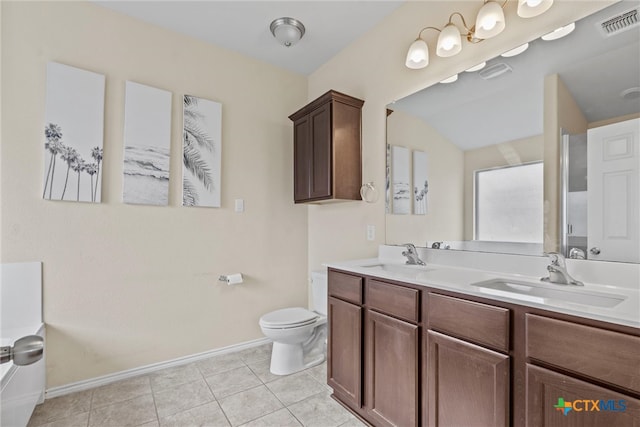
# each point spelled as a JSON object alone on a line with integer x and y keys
{"x": 298, "y": 334}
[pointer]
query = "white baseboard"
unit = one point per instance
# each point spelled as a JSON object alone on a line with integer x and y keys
{"x": 129, "y": 373}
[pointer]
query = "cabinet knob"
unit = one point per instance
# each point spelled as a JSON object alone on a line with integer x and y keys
{"x": 595, "y": 250}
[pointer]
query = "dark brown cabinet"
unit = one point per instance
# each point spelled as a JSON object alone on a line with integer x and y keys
{"x": 467, "y": 385}
{"x": 410, "y": 355}
{"x": 344, "y": 349}
{"x": 327, "y": 149}
{"x": 344, "y": 367}
{"x": 468, "y": 372}
{"x": 557, "y": 400}
{"x": 592, "y": 353}
{"x": 392, "y": 359}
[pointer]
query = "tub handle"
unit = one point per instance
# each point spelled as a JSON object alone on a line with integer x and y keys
{"x": 25, "y": 351}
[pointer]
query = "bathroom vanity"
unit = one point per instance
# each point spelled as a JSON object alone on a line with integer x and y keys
{"x": 431, "y": 346}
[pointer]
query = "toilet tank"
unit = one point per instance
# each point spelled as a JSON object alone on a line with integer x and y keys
{"x": 319, "y": 292}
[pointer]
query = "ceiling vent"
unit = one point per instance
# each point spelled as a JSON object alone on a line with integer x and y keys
{"x": 619, "y": 23}
{"x": 495, "y": 71}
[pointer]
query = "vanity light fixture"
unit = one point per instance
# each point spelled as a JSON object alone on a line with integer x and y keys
{"x": 478, "y": 67}
{"x": 288, "y": 31}
{"x": 489, "y": 22}
{"x": 450, "y": 79}
{"x": 559, "y": 32}
{"x": 515, "y": 51}
{"x": 418, "y": 55}
{"x": 531, "y": 8}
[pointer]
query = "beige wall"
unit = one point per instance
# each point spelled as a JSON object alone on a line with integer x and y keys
{"x": 126, "y": 286}
{"x": 561, "y": 114}
{"x": 372, "y": 68}
{"x": 613, "y": 120}
{"x": 445, "y": 167}
{"x": 506, "y": 154}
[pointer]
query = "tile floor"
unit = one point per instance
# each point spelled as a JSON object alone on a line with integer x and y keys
{"x": 233, "y": 389}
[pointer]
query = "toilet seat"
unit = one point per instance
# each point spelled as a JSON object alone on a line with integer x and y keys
{"x": 288, "y": 318}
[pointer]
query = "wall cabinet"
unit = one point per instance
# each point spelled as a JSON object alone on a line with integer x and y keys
{"x": 327, "y": 149}
{"x": 407, "y": 355}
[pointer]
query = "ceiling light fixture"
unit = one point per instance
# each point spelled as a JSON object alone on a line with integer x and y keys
{"x": 531, "y": 8}
{"x": 288, "y": 31}
{"x": 559, "y": 32}
{"x": 450, "y": 79}
{"x": 489, "y": 22}
{"x": 515, "y": 51}
{"x": 480, "y": 66}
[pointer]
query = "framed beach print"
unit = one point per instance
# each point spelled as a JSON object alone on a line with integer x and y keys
{"x": 147, "y": 137}
{"x": 400, "y": 180}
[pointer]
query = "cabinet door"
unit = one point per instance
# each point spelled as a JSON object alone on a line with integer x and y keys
{"x": 554, "y": 399}
{"x": 344, "y": 355}
{"x": 302, "y": 157}
{"x": 321, "y": 134}
{"x": 391, "y": 379}
{"x": 467, "y": 385}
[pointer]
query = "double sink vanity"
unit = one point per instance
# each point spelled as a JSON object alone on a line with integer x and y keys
{"x": 442, "y": 345}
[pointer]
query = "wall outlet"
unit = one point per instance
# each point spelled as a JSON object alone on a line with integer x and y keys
{"x": 371, "y": 232}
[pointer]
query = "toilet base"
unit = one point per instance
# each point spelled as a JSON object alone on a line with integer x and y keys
{"x": 289, "y": 358}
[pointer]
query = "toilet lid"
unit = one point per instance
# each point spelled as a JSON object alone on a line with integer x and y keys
{"x": 291, "y": 317}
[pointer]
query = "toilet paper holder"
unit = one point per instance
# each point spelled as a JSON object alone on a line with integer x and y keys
{"x": 231, "y": 279}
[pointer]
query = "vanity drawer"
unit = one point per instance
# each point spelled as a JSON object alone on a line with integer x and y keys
{"x": 473, "y": 321}
{"x": 392, "y": 299}
{"x": 598, "y": 353}
{"x": 345, "y": 286}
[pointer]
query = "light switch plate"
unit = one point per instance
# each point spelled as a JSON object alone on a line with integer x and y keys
{"x": 239, "y": 206}
{"x": 371, "y": 232}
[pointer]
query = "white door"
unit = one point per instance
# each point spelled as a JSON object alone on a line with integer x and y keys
{"x": 614, "y": 192}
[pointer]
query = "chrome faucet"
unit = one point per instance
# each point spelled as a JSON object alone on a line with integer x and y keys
{"x": 558, "y": 271}
{"x": 412, "y": 255}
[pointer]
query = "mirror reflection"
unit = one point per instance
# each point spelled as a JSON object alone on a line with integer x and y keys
{"x": 475, "y": 164}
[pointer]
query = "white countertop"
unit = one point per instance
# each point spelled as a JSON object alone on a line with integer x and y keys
{"x": 461, "y": 279}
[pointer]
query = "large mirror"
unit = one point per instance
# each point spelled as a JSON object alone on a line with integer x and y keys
{"x": 499, "y": 161}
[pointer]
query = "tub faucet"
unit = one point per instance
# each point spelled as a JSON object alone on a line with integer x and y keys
{"x": 412, "y": 255}
{"x": 558, "y": 271}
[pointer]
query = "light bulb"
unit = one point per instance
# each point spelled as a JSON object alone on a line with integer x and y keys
{"x": 449, "y": 41}
{"x": 418, "y": 55}
{"x": 531, "y": 8}
{"x": 490, "y": 21}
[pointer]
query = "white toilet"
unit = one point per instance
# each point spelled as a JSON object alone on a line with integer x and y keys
{"x": 299, "y": 334}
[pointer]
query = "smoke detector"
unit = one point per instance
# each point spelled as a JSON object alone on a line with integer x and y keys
{"x": 621, "y": 22}
{"x": 630, "y": 94}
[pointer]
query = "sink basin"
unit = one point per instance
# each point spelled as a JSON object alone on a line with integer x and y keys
{"x": 404, "y": 270}
{"x": 541, "y": 293}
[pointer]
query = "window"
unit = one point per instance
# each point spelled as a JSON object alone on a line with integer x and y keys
{"x": 508, "y": 204}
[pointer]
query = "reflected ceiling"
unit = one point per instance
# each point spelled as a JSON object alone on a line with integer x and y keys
{"x": 596, "y": 68}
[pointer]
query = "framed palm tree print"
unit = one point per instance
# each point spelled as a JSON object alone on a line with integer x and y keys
{"x": 201, "y": 152}
{"x": 73, "y": 134}
{"x": 420, "y": 183}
